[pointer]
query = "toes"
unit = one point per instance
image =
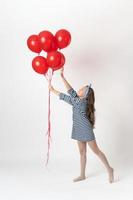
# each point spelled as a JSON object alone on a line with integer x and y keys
{"x": 78, "y": 179}
{"x": 111, "y": 175}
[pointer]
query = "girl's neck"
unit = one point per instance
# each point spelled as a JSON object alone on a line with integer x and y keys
{"x": 82, "y": 97}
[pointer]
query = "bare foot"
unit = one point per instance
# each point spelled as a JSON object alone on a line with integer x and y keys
{"x": 79, "y": 178}
{"x": 111, "y": 175}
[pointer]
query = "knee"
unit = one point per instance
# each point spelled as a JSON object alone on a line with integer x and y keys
{"x": 82, "y": 152}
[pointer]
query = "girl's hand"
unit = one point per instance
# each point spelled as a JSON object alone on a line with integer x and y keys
{"x": 51, "y": 88}
{"x": 62, "y": 72}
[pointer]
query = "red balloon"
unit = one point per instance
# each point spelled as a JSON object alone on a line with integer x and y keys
{"x": 54, "y": 45}
{"x": 33, "y": 44}
{"x": 39, "y": 64}
{"x": 62, "y": 62}
{"x": 54, "y": 59}
{"x": 46, "y": 39}
{"x": 63, "y": 38}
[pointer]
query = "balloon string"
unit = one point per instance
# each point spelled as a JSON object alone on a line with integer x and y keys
{"x": 49, "y": 78}
{"x": 46, "y": 77}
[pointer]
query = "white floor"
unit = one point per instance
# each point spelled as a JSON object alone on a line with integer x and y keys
{"x": 31, "y": 180}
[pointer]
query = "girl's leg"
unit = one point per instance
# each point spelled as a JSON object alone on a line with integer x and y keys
{"x": 93, "y": 145}
{"x": 82, "y": 151}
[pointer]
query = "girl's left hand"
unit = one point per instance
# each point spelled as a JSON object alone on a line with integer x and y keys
{"x": 51, "y": 88}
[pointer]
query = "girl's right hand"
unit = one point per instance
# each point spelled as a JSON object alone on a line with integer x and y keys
{"x": 62, "y": 72}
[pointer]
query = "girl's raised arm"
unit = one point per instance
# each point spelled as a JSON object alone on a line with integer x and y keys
{"x": 62, "y": 96}
{"x": 53, "y": 90}
{"x": 68, "y": 86}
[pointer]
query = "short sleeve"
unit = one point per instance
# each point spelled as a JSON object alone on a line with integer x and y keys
{"x": 72, "y": 92}
{"x": 66, "y": 98}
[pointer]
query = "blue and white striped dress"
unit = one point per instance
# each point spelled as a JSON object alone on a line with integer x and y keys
{"x": 82, "y": 129}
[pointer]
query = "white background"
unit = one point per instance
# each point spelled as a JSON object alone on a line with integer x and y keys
{"x": 101, "y": 53}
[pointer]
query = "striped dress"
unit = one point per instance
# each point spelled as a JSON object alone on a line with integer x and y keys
{"x": 82, "y": 129}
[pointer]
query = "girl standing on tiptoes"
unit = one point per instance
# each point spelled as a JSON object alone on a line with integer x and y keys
{"x": 83, "y": 123}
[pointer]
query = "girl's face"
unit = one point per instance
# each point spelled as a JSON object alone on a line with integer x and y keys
{"x": 81, "y": 91}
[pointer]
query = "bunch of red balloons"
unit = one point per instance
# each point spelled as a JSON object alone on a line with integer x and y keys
{"x": 54, "y": 59}
{"x": 46, "y": 41}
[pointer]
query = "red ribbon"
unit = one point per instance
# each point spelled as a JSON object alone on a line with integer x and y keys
{"x": 48, "y": 76}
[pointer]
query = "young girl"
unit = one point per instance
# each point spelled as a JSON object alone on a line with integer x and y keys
{"x": 83, "y": 123}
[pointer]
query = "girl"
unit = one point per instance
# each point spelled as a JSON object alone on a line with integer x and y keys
{"x": 83, "y": 123}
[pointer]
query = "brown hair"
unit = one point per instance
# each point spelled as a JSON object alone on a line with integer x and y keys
{"x": 91, "y": 107}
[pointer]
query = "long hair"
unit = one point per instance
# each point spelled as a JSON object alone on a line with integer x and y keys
{"x": 91, "y": 107}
